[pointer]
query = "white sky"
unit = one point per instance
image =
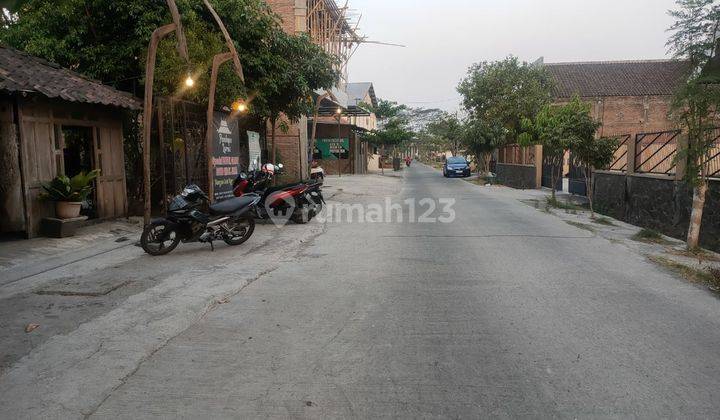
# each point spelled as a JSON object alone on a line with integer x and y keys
{"x": 444, "y": 37}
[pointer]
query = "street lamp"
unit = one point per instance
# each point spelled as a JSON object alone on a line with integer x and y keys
{"x": 239, "y": 106}
{"x": 189, "y": 82}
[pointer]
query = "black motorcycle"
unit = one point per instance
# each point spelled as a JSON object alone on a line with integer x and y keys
{"x": 230, "y": 221}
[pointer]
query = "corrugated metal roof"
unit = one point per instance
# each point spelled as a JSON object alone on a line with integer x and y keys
{"x": 21, "y": 72}
{"x": 617, "y": 78}
{"x": 357, "y": 91}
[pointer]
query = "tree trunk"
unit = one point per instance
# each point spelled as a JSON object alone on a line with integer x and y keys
{"x": 589, "y": 188}
{"x": 699, "y": 193}
{"x": 382, "y": 160}
{"x": 555, "y": 176}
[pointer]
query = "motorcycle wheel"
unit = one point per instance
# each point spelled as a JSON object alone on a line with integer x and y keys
{"x": 305, "y": 214}
{"x": 241, "y": 228}
{"x": 156, "y": 240}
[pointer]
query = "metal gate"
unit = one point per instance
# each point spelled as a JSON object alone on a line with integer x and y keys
{"x": 548, "y": 168}
{"x": 179, "y": 147}
{"x": 576, "y": 177}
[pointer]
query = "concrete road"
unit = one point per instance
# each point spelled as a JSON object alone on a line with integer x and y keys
{"x": 506, "y": 312}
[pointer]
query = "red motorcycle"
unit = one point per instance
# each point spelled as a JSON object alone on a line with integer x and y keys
{"x": 303, "y": 199}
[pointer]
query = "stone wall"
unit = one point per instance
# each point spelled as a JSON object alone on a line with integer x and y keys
{"x": 516, "y": 176}
{"x": 658, "y": 203}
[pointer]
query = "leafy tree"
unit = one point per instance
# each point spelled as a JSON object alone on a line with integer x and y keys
{"x": 593, "y": 153}
{"x": 392, "y": 129}
{"x": 108, "y": 40}
{"x": 558, "y": 129}
{"x": 448, "y": 131}
{"x": 695, "y": 38}
{"x": 505, "y": 93}
{"x": 480, "y": 140}
{"x": 299, "y": 68}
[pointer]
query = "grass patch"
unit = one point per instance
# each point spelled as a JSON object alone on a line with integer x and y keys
{"x": 709, "y": 278}
{"x": 603, "y": 221}
{"x": 580, "y": 225}
{"x": 554, "y": 202}
{"x": 699, "y": 253}
{"x": 650, "y": 236}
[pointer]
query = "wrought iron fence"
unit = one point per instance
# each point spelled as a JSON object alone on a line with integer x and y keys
{"x": 655, "y": 152}
{"x": 713, "y": 161}
{"x": 620, "y": 158}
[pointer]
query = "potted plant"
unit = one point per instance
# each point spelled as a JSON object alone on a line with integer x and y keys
{"x": 69, "y": 193}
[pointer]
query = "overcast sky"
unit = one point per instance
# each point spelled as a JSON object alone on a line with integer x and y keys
{"x": 445, "y": 37}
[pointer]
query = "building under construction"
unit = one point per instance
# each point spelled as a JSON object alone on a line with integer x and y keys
{"x": 331, "y": 27}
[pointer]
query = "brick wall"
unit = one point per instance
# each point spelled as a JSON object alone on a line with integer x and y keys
{"x": 292, "y": 146}
{"x": 630, "y": 114}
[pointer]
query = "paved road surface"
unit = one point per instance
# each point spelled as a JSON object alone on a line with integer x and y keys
{"x": 507, "y": 312}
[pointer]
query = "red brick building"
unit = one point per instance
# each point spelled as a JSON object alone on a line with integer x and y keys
{"x": 327, "y": 26}
{"x": 627, "y": 97}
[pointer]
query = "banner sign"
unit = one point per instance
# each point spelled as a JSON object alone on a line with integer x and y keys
{"x": 254, "y": 150}
{"x": 226, "y": 156}
{"x": 334, "y": 148}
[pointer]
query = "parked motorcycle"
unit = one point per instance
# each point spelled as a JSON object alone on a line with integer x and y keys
{"x": 316, "y": 171}
{"x": 303, "y": 199}
{"x": 230, "y": 221}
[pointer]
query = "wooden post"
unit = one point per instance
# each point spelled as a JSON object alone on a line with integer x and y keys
{"x": 209, "y": 150}
{"x": 157, "y": 35}
{"x": 538, "y": 166}
{"x": 218, "y": 60}
{"x": 228, "y": 41}
{"x": 316, "y": 113}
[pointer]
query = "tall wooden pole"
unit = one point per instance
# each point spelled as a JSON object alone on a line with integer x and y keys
{"x": 217, "y": 61}
{"x": 157, "y": 35}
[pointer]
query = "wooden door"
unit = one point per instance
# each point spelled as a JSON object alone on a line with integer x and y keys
{"x": 38, "y": 143}
{"x": 111, "y": 195}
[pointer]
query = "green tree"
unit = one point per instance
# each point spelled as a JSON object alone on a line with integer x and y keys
{"x": 505, "y": 93}
{"x": 695, "y": 38}
{"x": 558, "y": 129}
{"x": 108, "y": 40}
{"x": 480, "y": 140}
{"x": 300, "y": 68}
{"x": 448, "y": 132}
{"x": 392, "y": 128}
{"x": 593, "y": 153}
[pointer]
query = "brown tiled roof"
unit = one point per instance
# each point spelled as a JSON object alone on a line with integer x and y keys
{"x": 21, "y": 72}
{"x": 617, "y": 78}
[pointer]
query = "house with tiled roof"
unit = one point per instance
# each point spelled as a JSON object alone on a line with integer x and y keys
{"x": 53, "y": 122}
{"x": 628, "y": 97}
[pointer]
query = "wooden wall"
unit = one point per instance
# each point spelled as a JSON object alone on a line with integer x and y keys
{"x": 41, "y": 146}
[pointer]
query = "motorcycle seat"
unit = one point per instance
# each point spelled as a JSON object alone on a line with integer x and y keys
{"x": 232, "y": 205}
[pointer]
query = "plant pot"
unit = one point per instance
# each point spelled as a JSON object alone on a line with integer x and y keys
{"x": 67, "y": 209}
